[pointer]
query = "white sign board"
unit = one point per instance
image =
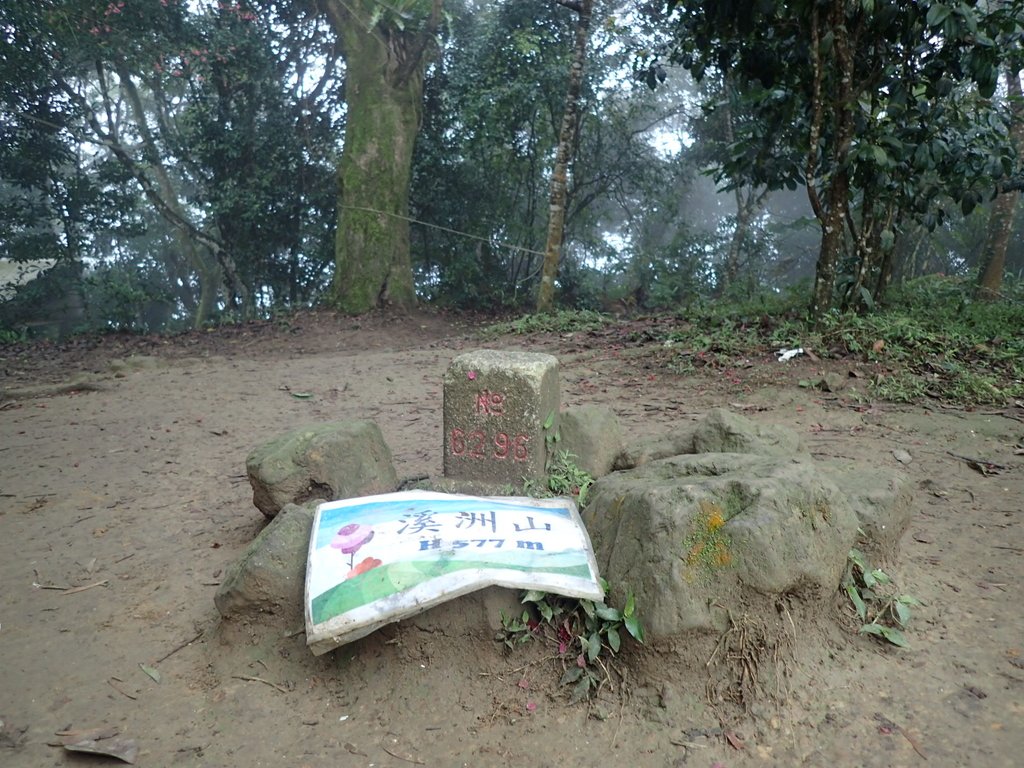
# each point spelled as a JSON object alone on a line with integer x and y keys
{"x": 377, "y": 559}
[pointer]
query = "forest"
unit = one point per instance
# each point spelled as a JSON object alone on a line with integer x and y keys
{"x": 175, "y": 164}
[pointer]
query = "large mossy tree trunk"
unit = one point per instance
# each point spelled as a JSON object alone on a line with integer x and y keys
{"x": 384, "y": 63}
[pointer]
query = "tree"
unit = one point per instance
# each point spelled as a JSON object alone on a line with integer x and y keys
{"x": 990, "y": 278}
{"x": 494, "y": 108}
{"x": 494, "y": 103}
{"x": 53, "y": 195}
{"x": 213, "y": 122}
{"x": 386, "y": 48}
{"x": 566, "y": 143}
{"x": 866, "y": 105}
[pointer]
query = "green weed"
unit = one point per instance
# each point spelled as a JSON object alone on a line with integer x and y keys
{"x": 12, "y": 336}
{"x": 586, "y": 634}
{"x": 882, "y": 612}
{"x": 564, "y": 478}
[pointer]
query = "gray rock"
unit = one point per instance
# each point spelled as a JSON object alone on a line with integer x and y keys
{"x": 723, "y": 431}
{"x": 883, "y": 504}
{"x": 674, "y": 444}
{"x": 331, "y": 461}
{"x": 720, "y": 431}
{"x": 270, "y": 575}
{"x": 592, "y": 434}
{"x": 688, "y": 533}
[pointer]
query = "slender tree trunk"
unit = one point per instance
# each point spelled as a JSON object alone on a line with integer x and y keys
{"x": 161, "y": 192}
{"x": 746, "y": 206}
{"x": 1000, "y": 223}
{"x": 566, "y": 144}
{"x": 747, "y": 201}
{"x": 383, "y": 96}
{"x": 833, "y": 214}
{"x": 208, "y": 272}
{"x": 832, "y": 235}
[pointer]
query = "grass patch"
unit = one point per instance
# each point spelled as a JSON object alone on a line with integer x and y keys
{"x": 563, "y": 321}
{"x": 931, "y": 338}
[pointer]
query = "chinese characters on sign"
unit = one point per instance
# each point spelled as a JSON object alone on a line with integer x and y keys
{"x": 378, "y": 559}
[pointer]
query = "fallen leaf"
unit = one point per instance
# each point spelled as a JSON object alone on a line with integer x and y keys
{"x": 734, "y": 740}
{"x": 125, "y": 750}
{"x": 153, "y": 673}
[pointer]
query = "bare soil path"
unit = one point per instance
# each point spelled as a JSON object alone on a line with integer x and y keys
{"x": 123, "y": 498}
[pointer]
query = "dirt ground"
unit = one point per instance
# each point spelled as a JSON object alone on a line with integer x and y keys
{"x": 123, "y": 498}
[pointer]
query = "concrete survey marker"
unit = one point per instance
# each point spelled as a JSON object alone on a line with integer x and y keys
{"x": 498, "y": 409}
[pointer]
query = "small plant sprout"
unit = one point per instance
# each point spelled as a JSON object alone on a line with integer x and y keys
{"x": 882, "y": 613}
{"x": 564, "y": 478}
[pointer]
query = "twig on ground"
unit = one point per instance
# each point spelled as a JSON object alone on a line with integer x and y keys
{"x": 120, "y": 690}
{"x": 983, "y": 462}
{"x": 249, "y": 679}
{"x": 913, "y": 742}
{"x": 402, "y": 757}
{"x": 74, "y": 590}
{"x": 174, "y": 650}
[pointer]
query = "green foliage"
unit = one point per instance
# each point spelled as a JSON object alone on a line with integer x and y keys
{"x": 565, "y": 478}
{"x": 585, "y": 633}
{"x": 931, "y": 338}
{"x": 126, "y": 299}
{"x": 941, "y": 342}
{"x": 12, "y": 336}
{"x": 178, "y": 136}
{"x": 490, "y": 125}
{"x": 884, "y": 111}
{"x": 881, "y": 611}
